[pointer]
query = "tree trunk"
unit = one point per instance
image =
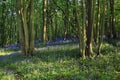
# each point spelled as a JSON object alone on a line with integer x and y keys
{"x": 112, "y": 19}
{"x": 3, "y": 25}
{"x": 97, "y": 22}
{"x": 101, "y": 28}
{"x": 31, "y": 26}
{"x": 89, "y": 28}
{"x": 66, "y": 20}
{"x": 26, "y": 26}
{"x": 44, "y": 21}
{"x": 83, "y": 35}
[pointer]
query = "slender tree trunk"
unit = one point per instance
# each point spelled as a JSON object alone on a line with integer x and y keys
{"x": 44, "y": 21}
{"x": 89, "y": 28}
{"x": 97, "y": 22}
{"x": 31, "y": 27}
{"x": 3, "y": 25}
{"x": 66, "y": 20}
{"x": 112, "y": 19}
{"x": 107, "y": 17}
{"x": 56, "y": 25}
{"x": 26, "y": 26}
{"x": 81, "y": 30}
{"x": 83, "y": 35}
{"x": 102, "y": 25}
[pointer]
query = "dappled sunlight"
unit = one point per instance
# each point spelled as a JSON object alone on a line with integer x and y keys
{"x": 57, "y": 47}
{"x": 60, "y": 40}
{"x": 5, "y": 52}
{"x": 64, "y": 62}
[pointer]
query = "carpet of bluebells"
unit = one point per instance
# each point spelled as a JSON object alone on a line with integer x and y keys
{"x": 60, "y": 60}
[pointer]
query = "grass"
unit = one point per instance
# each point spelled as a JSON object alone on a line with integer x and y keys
{"x": 4, "y": 75}
{"x": 62, "y": 63}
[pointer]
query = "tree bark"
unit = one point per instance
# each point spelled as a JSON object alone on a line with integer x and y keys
{"x": 112, "y": 19}
{"x": 89, "y": 28}
{"x": 26, "y": 25}
{"x": 3, "y": 25}
{"x": 44, "y": 21}
{"x": 83, "y": 37}
{"x": 101, "y": 27}
{"x": 31, "y": 27}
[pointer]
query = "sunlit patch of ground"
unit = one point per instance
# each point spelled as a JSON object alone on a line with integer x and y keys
{"x": 5, "y": 52}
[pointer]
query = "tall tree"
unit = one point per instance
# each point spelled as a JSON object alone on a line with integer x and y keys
{"x": 102, "y": 25}
{"x": 44, "y": 38}
{"x": 26, "y": 25}
{"x": 83, "y": 35}
{"x": 66, "y": 19}
{"x": 3, "y": 24}
{"x": 89, "y": 27}
{"x": 77, "y": 24}
{"x": 31, "y": 26}
{"x": 96, "y": 34}
{"x": 112, "y": 19}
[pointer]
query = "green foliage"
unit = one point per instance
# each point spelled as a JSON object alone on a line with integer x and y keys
{"x": 6, "y": 76}
{"x": 107, "y": 48}
{"x": 64, "y": 63}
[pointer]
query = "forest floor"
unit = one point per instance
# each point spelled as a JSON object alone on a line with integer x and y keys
{"x": 61, "y": 62}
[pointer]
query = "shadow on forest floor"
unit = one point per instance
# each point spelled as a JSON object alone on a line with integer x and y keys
{"x": 61, "y": 62}
{"x": 114, "y": 42}
{"x": 68, "y": 50}
{"x": 11, "y": 55}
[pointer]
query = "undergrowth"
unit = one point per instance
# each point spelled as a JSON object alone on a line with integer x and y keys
{"x": 63, "y": 63}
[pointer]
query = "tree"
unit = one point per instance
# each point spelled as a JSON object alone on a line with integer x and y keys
{"x": 66, "y": 20}
{"x": 89, "y": 27}
{"x": 3, "y": 24}
{"x": 101, "y": 26}
{"x": 26, "y": 25}
{"x": 83, "y": 35}
{"x": 112, "y": 19}
{"x": 44, "y": 38}
{"x": 96, "y": 29}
